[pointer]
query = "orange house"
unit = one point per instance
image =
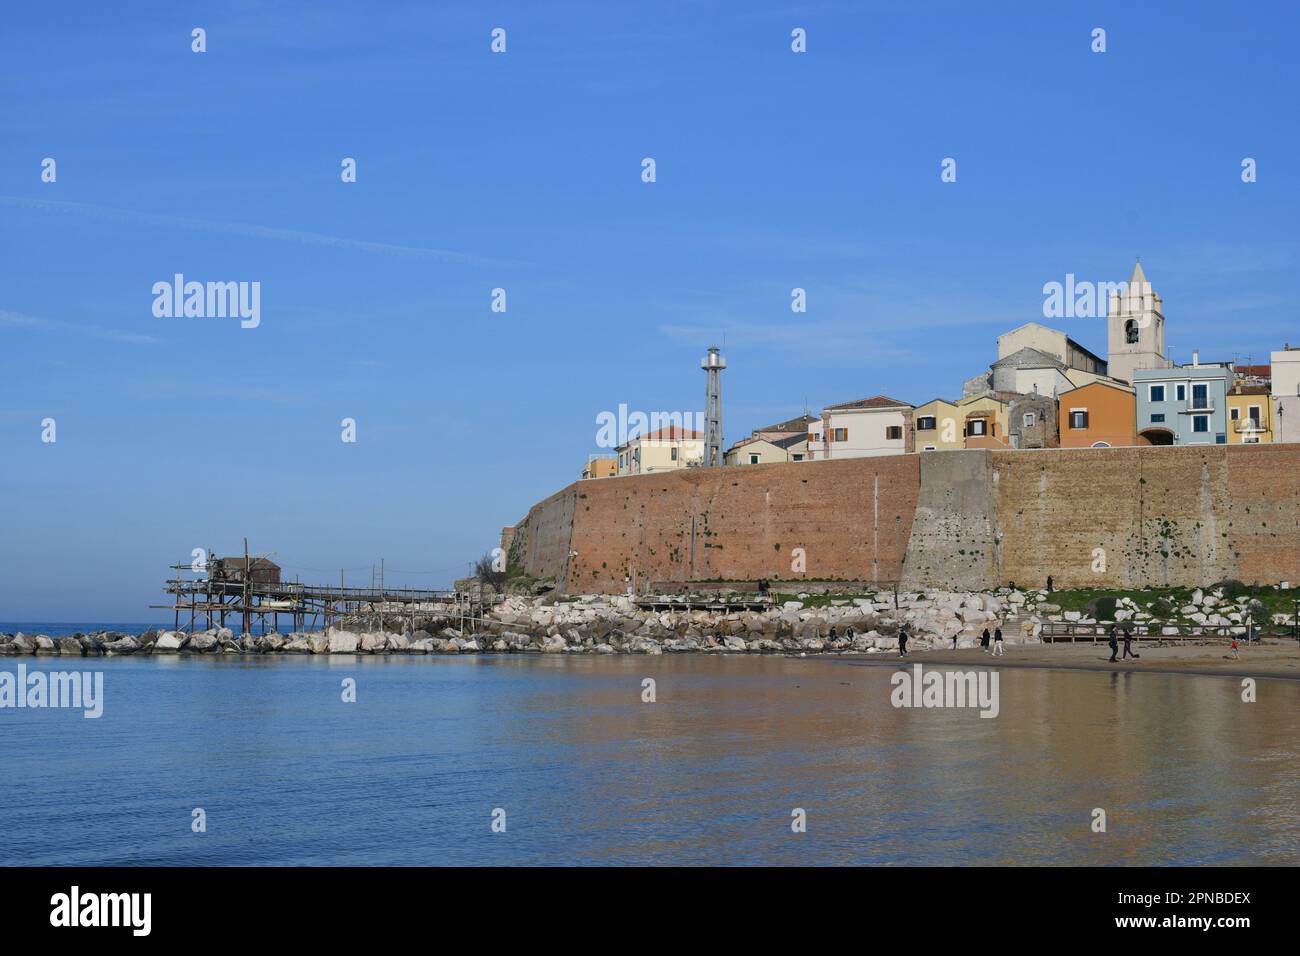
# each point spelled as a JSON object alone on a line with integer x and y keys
{"x": 1098, "y": 415}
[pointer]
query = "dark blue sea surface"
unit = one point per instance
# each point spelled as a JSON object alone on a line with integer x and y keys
{"x": 587, "y": 773}
{"x": 61, "y": 629}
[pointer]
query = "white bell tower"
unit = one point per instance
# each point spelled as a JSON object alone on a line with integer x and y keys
{"x": 1136, "y": 328}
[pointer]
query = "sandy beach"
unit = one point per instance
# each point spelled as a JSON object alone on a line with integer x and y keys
{"x": 1268, "y": 659}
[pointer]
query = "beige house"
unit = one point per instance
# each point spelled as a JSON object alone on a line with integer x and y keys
{"x": 784, "y": 441}
{"x": 665, "y": 449}
{"x": 763, "y": 451}
{"x": 863, "y": 429}
{"x": 600, "y": 466}
{"x": 983, "y": 421}
{"x": 938, "y": 426}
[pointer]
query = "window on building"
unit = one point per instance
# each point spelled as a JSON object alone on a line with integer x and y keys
{"x": 674, "y": 453}
{"x": 976, "y": 427}
{"x": 1200, "y": 423}
{"x": 1253, "y": 413}
{"x": 1201, "y": 396}
{"x": 753, "y": 459}
{"x": 893, "y": 432}
{"x": 1157, "y": 417}
{"x": 798, "y": 457}
{"x": 1078, "y": 418}
{"x": 925, "y": 423}
{"x": 1157, "y": 393}
{"x": 1250, "y": 440}
{"x": 1100, "y": 444}
{"x": 1234, "y": 413}
{"x": 1131, "y": 332}
{"x": 1181, "y": 392}
{"x": 928, "y": 448}
{"x": 814, "y": 437}
{"x": 839, "y": 434}
{"x": 1030, "y": 419}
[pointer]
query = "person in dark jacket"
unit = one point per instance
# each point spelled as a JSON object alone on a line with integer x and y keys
{"x": 984, "y": 640}
{"x": 1128, "y": 643}
{"x": 1114, "y": 643}
{"x": 902, "y": 642}
{"x": 1049, "y": 584}
{"x": 997, "y": 641}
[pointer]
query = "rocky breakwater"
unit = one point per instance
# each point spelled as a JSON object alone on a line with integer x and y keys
{"x": 599, "y": 624}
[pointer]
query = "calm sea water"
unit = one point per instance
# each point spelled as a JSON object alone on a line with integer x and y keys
{"x": 60, "y": 629}
{"x": 411, "y": 773}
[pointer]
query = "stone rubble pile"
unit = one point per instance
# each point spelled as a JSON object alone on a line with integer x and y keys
{"x": 601, "y": 624}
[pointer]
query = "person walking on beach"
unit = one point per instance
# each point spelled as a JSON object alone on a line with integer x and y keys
{"x": 997, "y": 641}
{"x": 1114, "y": 643}
{"x": 984, "y": 640}
{"x": 902, "y": 642}
{"x": 1128, "y": 644}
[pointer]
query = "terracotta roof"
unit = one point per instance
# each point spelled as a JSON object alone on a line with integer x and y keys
{"x": 1249, "y": 390}
{"x": 1258, "y": 371}
{"x": 671, "y": 433}
{"x": 876, "y": 401}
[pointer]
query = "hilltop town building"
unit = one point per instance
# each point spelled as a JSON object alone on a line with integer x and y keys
{"x": 1250, "y": 418}
{"x": 863, "y": 429}
{"x": 665, "y": 449}
{"x": 1183, "y": 405}
{"x": 1286, "y": 393}
{"x": 1098, "y": 415}
{"x": 1032, "y": 422}
{"x": 600, "y": 466}
{"x": 937, "y": 426}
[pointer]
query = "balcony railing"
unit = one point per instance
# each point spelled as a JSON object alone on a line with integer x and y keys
{"x": 1250, "y": 425}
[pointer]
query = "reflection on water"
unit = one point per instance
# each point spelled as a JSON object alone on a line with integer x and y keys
{"x": 587, "y": 773}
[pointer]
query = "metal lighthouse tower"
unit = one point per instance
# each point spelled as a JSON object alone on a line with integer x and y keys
{"x": 713, "y": 364}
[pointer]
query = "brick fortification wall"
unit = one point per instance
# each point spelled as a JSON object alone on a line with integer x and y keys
{"x": 852, "y": 519}
{"x": 956, "y": 519}
{"x": 1187, "y": 515}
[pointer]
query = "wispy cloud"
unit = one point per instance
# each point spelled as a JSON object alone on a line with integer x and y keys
{"x": 114, "y": 214}
{"x": 57, "y": 325}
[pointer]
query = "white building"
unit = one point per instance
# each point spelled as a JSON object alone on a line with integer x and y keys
{"x": 1286, "y": 394}
{"x": 863, "y": 429}
{"x": 665, "y": 449}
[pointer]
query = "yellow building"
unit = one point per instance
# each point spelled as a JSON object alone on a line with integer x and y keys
{"x": 600, "y": 467}
{"x": 982, "y": 420}
{"x": 1250, "y": 421}
{"x": 938, "y": 426}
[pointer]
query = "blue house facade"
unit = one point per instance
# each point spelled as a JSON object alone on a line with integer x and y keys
{"x": 1183, "y": 405}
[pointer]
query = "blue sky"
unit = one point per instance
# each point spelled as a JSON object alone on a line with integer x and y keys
{"x": 522, "y": 171}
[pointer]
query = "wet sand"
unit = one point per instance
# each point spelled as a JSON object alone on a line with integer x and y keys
{"x": 1270, "y": 659}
